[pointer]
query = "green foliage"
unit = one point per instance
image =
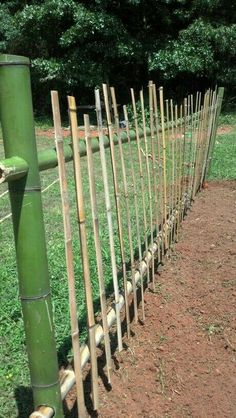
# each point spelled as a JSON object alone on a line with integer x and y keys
{"x": 76, "y": 45}
{"x": 201, "y": 49}
{"x": 223, "y": 166}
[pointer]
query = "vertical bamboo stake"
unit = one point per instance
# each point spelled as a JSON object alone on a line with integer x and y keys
{"x": 211, "y": 130}
{"x": 134, "y": 185}
{"x": 196, "y": 138}
{"x": 179, "y": 144}
{"x": 197, "y": 152}
{"x": 183, "y": 175}
{"x": 110, "y": 226}
{"x": 94, "y": 208}
{"x": 173, "y": 201}
{"x": 141, "y": 178}
{"x": 168, "y": 184}
{"x": 188, "y": 144}
{"x": 149, "y": 180}
{"x": 211, "y": 117}
{"x": 200, "y": 144}
{"x": 69, "y": 254}
{"x": 176, "y": 158}
{"x": 190, "y": 162}
{"x": 154, "y": 168}
{"x": 117, "y": 200}
{"x": 84, "y": 249}
{"x": 195, "y": 122}
{"x": 123, "y": 169}
{"x": 160, "y": 168}
{"x": 164, "y": 164}
{"x": 204, "y": 137}
{"x": 194, "y": 119}
{"x": 220, "y": 95}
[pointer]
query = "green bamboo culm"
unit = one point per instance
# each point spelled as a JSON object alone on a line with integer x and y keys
{"x": 16, "y": 115}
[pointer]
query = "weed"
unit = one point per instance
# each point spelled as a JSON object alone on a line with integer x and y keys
{"x": 213, "y": 329}
{"x": 229, "y": 283}
{"x": 162, "y": 339}
{"x": 158, "y": 288}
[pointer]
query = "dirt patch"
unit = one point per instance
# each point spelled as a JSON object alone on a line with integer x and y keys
{"x": 49, "y": 133}
{"x": 182, "y": 362}
{"x": 225, "y": 129}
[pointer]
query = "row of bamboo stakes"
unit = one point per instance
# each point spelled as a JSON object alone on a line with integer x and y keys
{"x": 172, "y": 152}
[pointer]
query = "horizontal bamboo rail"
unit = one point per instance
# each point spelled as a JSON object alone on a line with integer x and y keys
{"x": 14, "y": 168}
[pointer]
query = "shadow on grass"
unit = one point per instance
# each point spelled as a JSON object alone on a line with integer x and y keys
{"x": 24, "y": 401}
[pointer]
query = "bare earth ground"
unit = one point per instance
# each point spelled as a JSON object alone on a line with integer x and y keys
{"x": 182, "y": 362}
{"x": 49, "y": 132}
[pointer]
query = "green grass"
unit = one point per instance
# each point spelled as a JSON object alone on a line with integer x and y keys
{"x": 223, "y": 166}
{"x": 15, "y": 395}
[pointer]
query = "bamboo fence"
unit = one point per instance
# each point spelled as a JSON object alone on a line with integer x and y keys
{"x": 149, "y": 184}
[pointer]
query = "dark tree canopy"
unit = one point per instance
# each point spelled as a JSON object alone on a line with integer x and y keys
{"x": 76, "y": 45}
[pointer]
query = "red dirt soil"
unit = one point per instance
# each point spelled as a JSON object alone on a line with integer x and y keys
{"x": 182, "y": 362}
{"x": 49, "y": 133}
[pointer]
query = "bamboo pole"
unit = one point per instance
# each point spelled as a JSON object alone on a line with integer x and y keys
{"x": 160, "y": 167}
{"x": 211, "y": 117}
{"x": 200, "y": 145}
{"x": 179, "y": 151}
{"x": 134, "y": 185}
{"x": 117, "y": 200}
{"x": 149, "y": 182}
{"x": 196, "y": 138}
{"x": 69, "y": 254}
{"x": 190, "y": 163}
{"x": 164, "y": 165}
{"x": 220, "y": 95}
{"x": 168, "y": 184}
{"x": 16, "y": 115}
{"x": 204, "y": 137}
{"x": 182, "y": 113}
{"x": 126, "y": 194}
{"x": 97, "y": 243}
{"x": 197, "y": 152}
{"x": 187, "y": 146}
{"x": 183, "y": 182}
{"x": 173, "y": 157}
{"x": 194, "y": 118}
{"x": 154, "y": 168}
{"x": 141, "y": 177}
{"x": 84, "y": 249}
{"x": 110, "y": 225}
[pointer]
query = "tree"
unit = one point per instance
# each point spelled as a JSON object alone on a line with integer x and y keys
{"x": 76, "y": 45}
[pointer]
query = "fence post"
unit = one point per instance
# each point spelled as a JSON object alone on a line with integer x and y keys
{"x": 16, "y": 115}
{"x": 219, "y": 100}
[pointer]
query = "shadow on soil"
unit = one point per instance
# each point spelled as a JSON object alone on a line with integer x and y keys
{"x": 24, "y": 395}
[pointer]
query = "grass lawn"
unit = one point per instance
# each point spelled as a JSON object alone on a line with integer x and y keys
{"x": 223, "y": 165}
{"x": 15, "y": 395}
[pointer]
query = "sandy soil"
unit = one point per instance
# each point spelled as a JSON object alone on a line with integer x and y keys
{"x": 182, "y": 362}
